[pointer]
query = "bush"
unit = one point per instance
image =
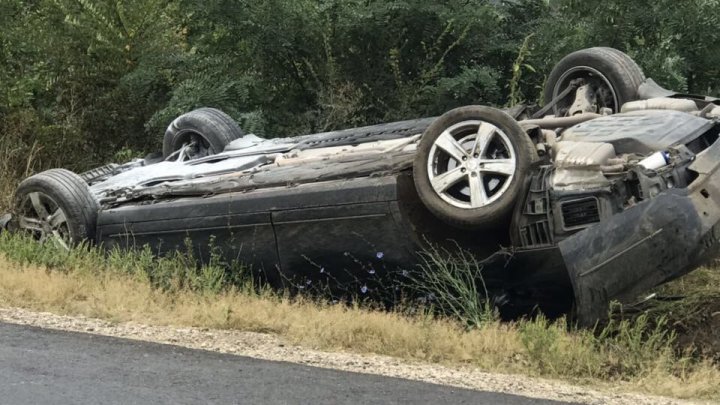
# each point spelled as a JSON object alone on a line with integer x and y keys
{"x": 82, "y": 79}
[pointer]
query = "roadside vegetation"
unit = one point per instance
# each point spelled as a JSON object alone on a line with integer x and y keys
{"x": 85, "y": 82}
{"x": 638, "y": 353}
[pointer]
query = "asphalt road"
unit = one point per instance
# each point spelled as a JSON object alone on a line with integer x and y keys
{"x": 39, "y": 366}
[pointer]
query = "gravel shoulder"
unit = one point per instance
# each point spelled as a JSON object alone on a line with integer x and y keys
{"x": 270, "y": 347}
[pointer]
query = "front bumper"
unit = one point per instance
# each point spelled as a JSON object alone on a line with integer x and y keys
{"x": 649, "y": 244}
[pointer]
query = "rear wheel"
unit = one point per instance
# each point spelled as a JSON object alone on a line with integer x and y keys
{"x": 205, "y": 132}
{"x": 471, "y": 165}
{"x": 612, "y": 76}
{"x": 57, "y": 206}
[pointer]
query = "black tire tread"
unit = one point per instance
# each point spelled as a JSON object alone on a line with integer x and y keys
{"x": 80, "y": 194}
{"x": 214, "y": 125}
{"x": 630, "y": 67}
{"x": 71, "y": 192}
{"x": 624, "y": 74}
{"x": 93, "y": 175}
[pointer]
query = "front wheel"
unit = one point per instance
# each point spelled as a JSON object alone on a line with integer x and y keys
{"x": 471, "y": 165}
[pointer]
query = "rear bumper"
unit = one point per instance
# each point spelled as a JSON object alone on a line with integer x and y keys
{"x": 654, "y": 242}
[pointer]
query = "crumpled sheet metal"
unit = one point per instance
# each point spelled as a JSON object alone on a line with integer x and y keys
{"x": 282, "y": 176}
{"x": 648, "y": 244}
{"x": 253, "y": 162}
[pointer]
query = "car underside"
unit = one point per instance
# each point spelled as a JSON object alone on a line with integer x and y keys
{"x": 609, "y": 190}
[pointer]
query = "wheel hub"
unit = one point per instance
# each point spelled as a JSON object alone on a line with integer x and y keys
{"x": 471, "y": 164}
{"x": 44, "y": 219}
{"x": 597, "y": 82}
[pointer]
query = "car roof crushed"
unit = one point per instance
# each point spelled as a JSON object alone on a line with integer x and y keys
{"x": 261, "y": 164}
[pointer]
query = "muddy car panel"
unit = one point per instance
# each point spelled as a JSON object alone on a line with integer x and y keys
{"x": 271, "y": 229}
{"x": 649, "y": 244}
{"x": 292, "y": 233}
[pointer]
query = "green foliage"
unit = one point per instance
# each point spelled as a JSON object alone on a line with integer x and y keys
{"x": 676, "y": 43}
{"x": 451, "y": 283}
{"x": 516, "y": 96}
{"x": 637, "y": 341}
{"x": 82, "y": 79}
{"x": 630, "y": 348}
{"x": 542, "y": 340}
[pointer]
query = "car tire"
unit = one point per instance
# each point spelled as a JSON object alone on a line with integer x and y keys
{"x": 210, "y": 127}
{"x": 610, "y": 68}
{"x": 57, "y": 204}
{"x": 481, "y": 190}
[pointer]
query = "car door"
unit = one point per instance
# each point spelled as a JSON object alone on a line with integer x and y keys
{"x": 237, "y": 226}
{"x": 340, "y": 231}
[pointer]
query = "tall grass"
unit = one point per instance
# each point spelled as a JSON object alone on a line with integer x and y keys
{"x": 624, "y": 346}
{"x": 452, "y": 284}
{"x": 456, "y": 326}
{"x": 176, "y": 272}
{"x": 16, "y": 162}
{"x": 137, "y": 286}
{"x": 26, "y": 147}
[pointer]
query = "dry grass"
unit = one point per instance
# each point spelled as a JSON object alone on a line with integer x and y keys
{"x": 120, "y": 298}
{"x": 536, "y": 348}
{"x": 138, "y": 287}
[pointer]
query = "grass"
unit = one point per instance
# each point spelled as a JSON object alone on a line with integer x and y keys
{"x": 695, "y": 318}
{"x": 636, "y": 354}
{"x": 667, "y": 349}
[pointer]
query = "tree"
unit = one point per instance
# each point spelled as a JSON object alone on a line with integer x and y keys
{"x": 82, "y": 79}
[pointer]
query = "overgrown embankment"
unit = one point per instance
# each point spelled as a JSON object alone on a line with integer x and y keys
{"x": 667, "y": 350}
{"x": 637, "y": 354}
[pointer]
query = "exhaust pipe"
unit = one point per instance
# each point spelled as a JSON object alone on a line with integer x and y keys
{"x": 560, "y": 122}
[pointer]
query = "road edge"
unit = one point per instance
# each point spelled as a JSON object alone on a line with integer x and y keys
{"x": 272, "y": 348}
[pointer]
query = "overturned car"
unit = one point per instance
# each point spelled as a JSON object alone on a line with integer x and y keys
{"x": 610, "y": 189}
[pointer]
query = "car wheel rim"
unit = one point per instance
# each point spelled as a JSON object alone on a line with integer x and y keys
{"x": 598, "y": 81}
{"x": 471, "y": 164}
{"x": 197, "y": 146}
{"x": 43, "y": 218}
